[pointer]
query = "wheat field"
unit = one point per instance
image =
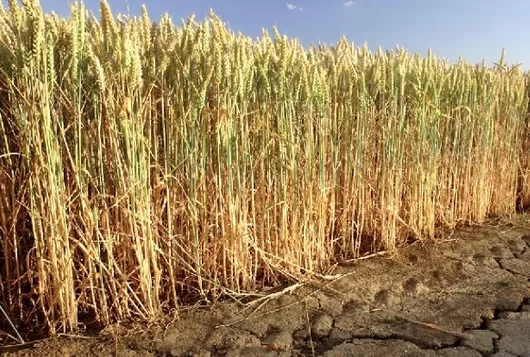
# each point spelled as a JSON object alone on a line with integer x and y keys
{"x": 143, "y": 164}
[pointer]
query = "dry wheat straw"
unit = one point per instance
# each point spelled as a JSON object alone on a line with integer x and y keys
{"x": 142, "y": 163}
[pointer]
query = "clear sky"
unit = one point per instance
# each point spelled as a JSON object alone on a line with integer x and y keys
{"x": 475, "y": 29}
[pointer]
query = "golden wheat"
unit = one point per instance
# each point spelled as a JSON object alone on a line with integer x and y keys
{"x": 143, "y": 162}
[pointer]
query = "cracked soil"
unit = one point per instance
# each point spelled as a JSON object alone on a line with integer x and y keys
{"x": 467, "y": 296}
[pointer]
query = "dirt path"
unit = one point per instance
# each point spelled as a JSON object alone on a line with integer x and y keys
{"x": 468, "y": 296}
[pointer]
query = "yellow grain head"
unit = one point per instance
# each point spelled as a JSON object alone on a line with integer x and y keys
{"x": 107, "y": 24}
{"x": 125, "y": 48}
{"x": 96, "y": 69}
{"x": 135, "y": 71}
{"x": 165, "y": 27}
{"x": 35, "y": 29}
{"x": 78, "y": 37}
{"x": 50, "y": 62}
{"x": 8, "y": 36}
{"x": 145, "y": 29}
{"x": 15, "y": 13}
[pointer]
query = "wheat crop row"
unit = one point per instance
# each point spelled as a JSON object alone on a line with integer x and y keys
{"x": 143, "y": 163}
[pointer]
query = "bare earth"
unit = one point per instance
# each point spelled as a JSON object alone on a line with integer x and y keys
{"x": 468, "y": 296}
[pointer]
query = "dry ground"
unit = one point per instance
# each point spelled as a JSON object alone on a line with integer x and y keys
{"x": 466, "y": 296}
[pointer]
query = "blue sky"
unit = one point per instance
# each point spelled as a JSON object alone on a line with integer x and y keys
{"x": 475, "y": 29}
